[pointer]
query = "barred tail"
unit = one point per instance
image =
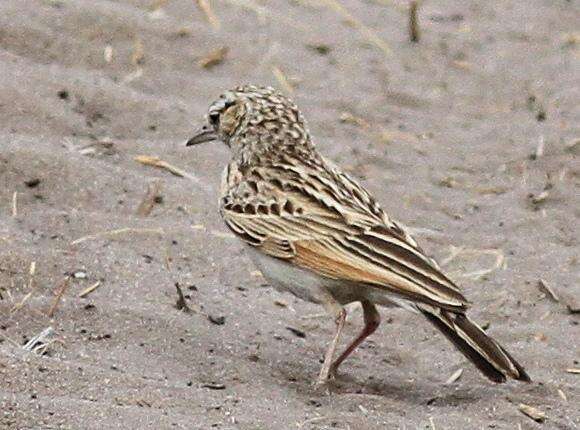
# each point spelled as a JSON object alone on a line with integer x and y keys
{"x": 484, "y": 352}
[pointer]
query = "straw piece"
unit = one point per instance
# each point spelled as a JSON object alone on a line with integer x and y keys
{"x": 208, "y": 12}
{"x": 90, "y": 289}
{"x": 213, "y": 58}
{"x": 363, "y": 29}
{"x": 63, "y": 287}
{"x": 116, "y": 233}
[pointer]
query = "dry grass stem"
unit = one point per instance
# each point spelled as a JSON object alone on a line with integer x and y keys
{"x": 63, "y": 287}
{"x": 546, "y": 289}
{"x": 108, "y": 54}
{"x": 151, "y": 198}
{"x": 138, "y": 54}
{"x": 156, "y": 162}
{"x": 168, "y": 259}
{"x": 31, "y": 273}
{"x": 15, "y": 204}
{"x": 282, "y": 80}
{"x": 312, "y": 421}
{"x": 208, "y": 12}
{"x": 455, "y": 376}
{"x": 349, "y": 118}
{"x": 90, "y": 289}
{"x": 222, "y": 235}
{"x": 414, "y": 33}
{"x": 120, "y": 231}
{"x": 540, "y": 148}
{"x": 562, "y": 395}
{"x": 19, "y": 305}
{"x": 534, "y": 413}
{"x": 368, "y": 33}
{"x": 213, "y": 58}
{"x": 38, "y": 343}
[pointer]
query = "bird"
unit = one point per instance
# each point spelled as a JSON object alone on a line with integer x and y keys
{"x": 314, "y": 231}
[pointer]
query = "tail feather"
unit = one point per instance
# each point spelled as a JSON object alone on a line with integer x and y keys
{"x": 484, "y": 352}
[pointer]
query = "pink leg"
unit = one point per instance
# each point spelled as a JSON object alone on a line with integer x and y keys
{"x": 372, "y": 321}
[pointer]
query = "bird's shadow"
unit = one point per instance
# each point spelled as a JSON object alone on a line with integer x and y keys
{"x": 397, "y": 389}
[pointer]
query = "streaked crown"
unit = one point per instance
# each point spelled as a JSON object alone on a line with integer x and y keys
{"x": 257, "y": 115}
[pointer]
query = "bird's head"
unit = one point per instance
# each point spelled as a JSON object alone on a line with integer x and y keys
{"x": 252, "y": 115}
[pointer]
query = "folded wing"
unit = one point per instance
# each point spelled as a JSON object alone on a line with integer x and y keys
{"x": 334, "y": 228}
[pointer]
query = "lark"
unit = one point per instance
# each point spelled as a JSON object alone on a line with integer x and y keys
{"x": 315, "y": 232}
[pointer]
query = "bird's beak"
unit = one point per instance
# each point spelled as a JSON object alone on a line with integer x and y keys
{"x": 204, "y": 134}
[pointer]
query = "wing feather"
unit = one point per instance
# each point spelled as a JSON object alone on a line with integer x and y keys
{"x": 337, "y": 237}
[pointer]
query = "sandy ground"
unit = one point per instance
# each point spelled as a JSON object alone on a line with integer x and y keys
{"x": 470, "y": 137}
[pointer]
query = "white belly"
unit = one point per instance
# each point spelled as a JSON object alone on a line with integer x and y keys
{"x": 306, "y": 285}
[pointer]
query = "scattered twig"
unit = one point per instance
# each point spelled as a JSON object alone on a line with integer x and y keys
{"x": 209, "y": 15}
{"x": 282, "y": 80}
{"x": 573, "y": 371}
{"x": 562, "y": 395}
{"x": 180, "y": 304}
{"x": 90, "y": 289}
{"x": 19, "y": 305}
{"x": 117, "y": 233}
{"x": 296, "y": 332}
{"x": 168, "y": 259}
{"x": 151, "y": 198}
{"x": 108, "y": 54}
{"x": 536, "y": 199}
{"x": 156, "y": 162}
{"x": 534, "y": 413}
{"x": 138, "y": 54}
{"x": 213, "y": 58}
{"x": 31, "y": 272}
{"x": 15, "y": 204}
{"x": 214, "y": 386}
{"x": 222, "y": 235}
{"x": 57, "y": 298}
{"x": 414, "y": 34}
{"x": 546, "y": 289}
{"x": 221, "y": 320}
{"x": 312, "y": 421}
{"x": 38, "y": 343}
{"x": 363, "y": 29}
{"x": 540, "y": 148}
{"x": 454, "y": 377}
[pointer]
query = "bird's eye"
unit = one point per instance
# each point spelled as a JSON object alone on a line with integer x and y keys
{"x": 214, "y": 117}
